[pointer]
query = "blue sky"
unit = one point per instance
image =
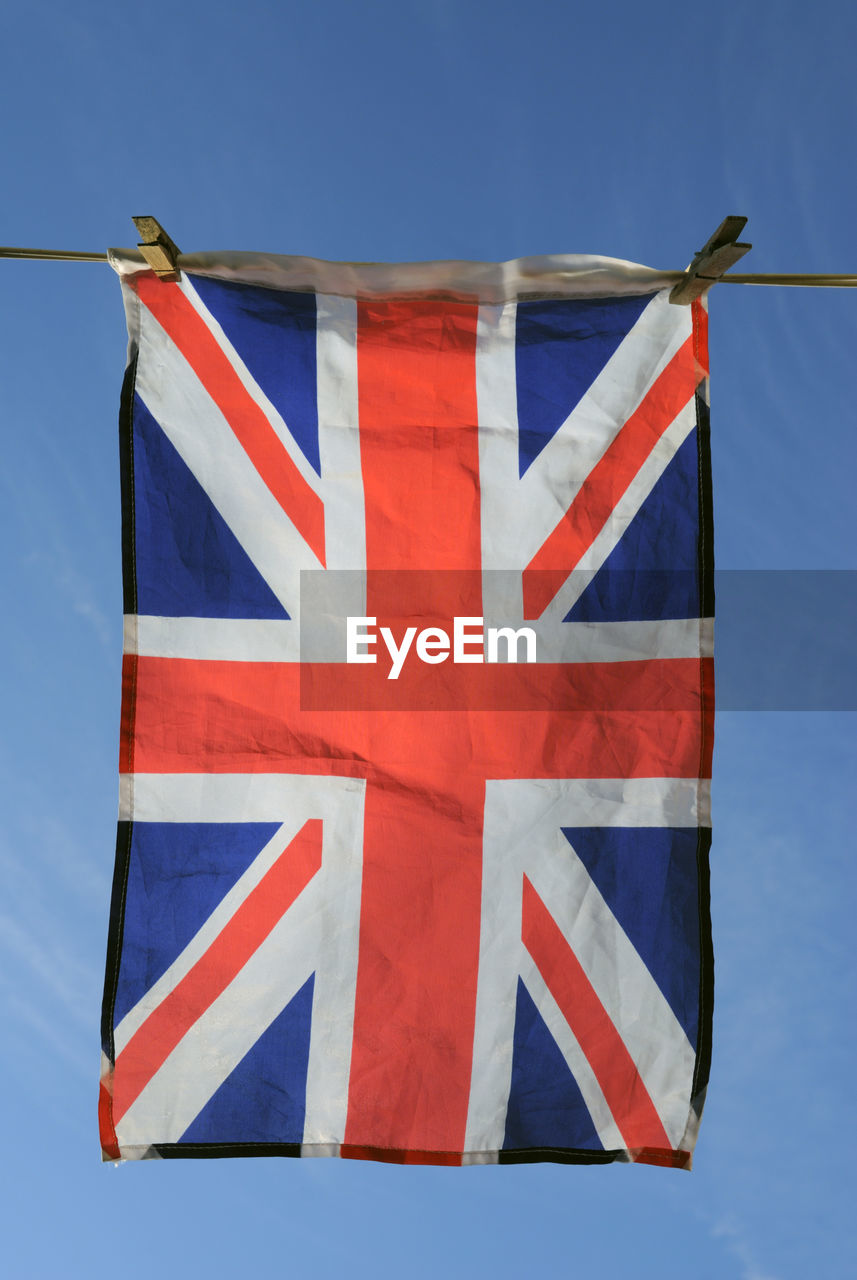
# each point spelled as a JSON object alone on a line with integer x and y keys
{"x": 401, "y": 131}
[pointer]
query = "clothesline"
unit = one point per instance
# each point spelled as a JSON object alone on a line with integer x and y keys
{"x": 798, "y": 279}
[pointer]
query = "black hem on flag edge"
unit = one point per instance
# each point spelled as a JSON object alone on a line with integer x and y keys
{"x": 126, "y": 474}
{"x": 522, "y": 1155}
{"x": 705, "y": 560}
{"x": 114, "y": 935}
{"x": 129, "y": 597}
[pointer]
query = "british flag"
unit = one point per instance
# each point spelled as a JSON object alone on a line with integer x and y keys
{"x": 462, "y": 916}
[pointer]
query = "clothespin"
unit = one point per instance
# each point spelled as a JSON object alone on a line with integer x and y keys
{"x": 718, "y": 253}
{"x": 157, "y": 248}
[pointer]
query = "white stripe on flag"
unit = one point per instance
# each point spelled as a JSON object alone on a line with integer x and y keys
{"x": 570, "y": 642}
{"x": 206, "y": 935}
{"x": 634, "y": 1002}
{"x": 499, "y": 485}
{"x": 339, "y": 434}
{"x": 623, "y": 513}
{"x": 250, "y": 385}
{"x": 596, "y": 1104}
{"x": 214, "y": 1045}
{"x": 199, "y": 431}
{"x": 270, "y": 640}
{"x": 213, "y": 639}
{"x": 520, "y": 512}
{"x": 319, "y": 934}
{"x": 522, "y": 836}
{"x": 598, "y": 417}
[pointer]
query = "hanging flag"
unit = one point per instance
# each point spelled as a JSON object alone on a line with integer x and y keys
{"x": 416, "y": 714}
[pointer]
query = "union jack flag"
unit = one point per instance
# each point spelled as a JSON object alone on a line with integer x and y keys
{"x": 459, "y": 916}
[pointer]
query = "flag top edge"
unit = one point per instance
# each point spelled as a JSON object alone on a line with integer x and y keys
{"x": 550, "y": 275}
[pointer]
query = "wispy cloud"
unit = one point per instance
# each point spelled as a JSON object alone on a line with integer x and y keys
{"x": 51, "y": 1033}
{"x": 79, "y": 591}
{"x": 733, "y": 1236}
{"x": 65, "y": 977}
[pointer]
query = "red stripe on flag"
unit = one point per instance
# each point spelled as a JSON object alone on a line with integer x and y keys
{"x": 415, "y": 1003}
{"x": 128, "y": 716}
{"x": 186, "y": 328}
{"x": 608, "y": 480}
{"x": 668, "y": 1159}
{"x": 699, "y": 314}
{"x": 109, "y": 1145}
{"x": 420, "y": 913}
{"x": 245, "y": 932}
{"x": 194, "y": 716}
{"x": 493, "y": 689}
{"x": 418, "y": 435}
{"x": 603, "y": 1046}
{"x": 389, "y": 1155}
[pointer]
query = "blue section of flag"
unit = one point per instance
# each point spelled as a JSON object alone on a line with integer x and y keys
{"x": 273, "y": 331}
{"x": 560, "y": 348}
{"x": 178, "y": 873}
{"x": 264, "y": 1098}
{"x": 648, "y": 878}
{"x": 546, "y": 1107}
{"x": 188, "y": 562}
{"x": 652, "y": 572}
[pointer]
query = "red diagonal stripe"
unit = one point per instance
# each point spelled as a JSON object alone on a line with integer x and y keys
{"x": 609, "y": 478}
{"x": 257, "y": 437}
{"x": 603, "y": 1046}
{"x": 245, "y": 932}
{"x": 109, "y": 1145}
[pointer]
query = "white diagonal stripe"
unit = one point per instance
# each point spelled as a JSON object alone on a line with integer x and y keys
{"x": 561, "y": 468}
{"x": 319, "y": 934}
{"x": 251, "y": 386}
{"x": 212, "y": 1048}
{"x": 204, "y": 439}
{"x": 522, "y": 836}
{"x": 520, "y": 512}
{"x": 206, "y": 935}
{"x": 624, "y": 511}
{"x": 587, "y": 1082}
{"x": 652, "y": 1033}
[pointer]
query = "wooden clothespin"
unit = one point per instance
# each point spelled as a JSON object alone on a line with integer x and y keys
{"x": 717, "y": 255}
{"x": 157, "y": 248}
